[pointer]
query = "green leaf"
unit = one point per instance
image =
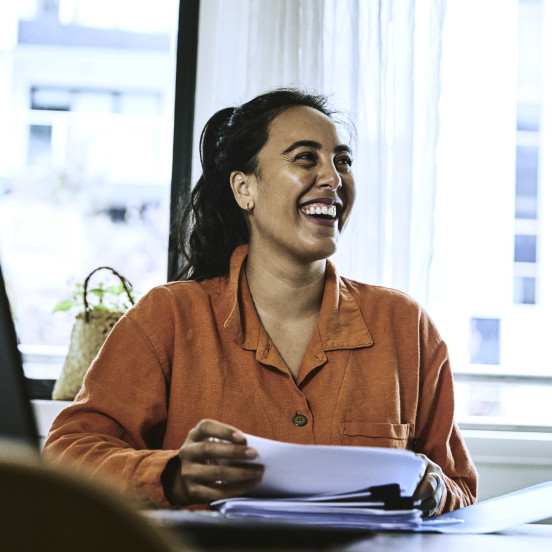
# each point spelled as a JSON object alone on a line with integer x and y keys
{"x": 66, "y": 305}
{"x": 116, "y": 290}
{"x": 78, "y": 291}
{"x": 100, "y": 292}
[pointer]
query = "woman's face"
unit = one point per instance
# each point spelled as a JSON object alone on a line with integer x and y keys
{"x": 303, "y": 187}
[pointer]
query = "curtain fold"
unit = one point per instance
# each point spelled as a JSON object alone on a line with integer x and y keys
{"x": 379, "y": 61}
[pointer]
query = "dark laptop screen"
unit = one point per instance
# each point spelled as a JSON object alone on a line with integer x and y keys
{"x": 16, "y": 417}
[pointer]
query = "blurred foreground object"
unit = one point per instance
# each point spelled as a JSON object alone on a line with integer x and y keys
{"x": 48, "y": 509}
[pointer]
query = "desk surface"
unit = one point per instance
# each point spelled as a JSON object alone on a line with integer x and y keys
{"x": 223, "y": 537}
{"x": 534, "y": 538}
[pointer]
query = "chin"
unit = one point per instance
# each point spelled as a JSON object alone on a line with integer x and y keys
{"x": 320, "y": 253}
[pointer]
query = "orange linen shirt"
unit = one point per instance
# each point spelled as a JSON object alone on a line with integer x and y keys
{"x": 376, "y": 373}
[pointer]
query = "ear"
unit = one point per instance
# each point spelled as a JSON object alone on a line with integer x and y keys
{"x": 243, "y": 188}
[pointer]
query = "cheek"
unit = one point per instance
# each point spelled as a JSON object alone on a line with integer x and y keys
{"x": 348, "y": 195}
{"x": 271, "y": 217}
{"x": 350, "y": 191}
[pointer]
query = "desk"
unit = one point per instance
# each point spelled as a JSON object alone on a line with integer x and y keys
{"x": 215, "y": 535}
{"x": 531, "y": 538}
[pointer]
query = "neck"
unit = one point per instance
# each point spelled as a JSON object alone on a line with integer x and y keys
{"x": 285, "y": 290}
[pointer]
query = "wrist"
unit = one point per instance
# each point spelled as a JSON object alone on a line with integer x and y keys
{"x": 171, "y": 481}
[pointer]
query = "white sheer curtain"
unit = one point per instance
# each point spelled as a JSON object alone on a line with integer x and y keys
{"x": 379, "y": 60}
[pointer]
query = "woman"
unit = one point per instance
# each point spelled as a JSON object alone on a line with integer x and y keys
{"x": 264, "y": 337}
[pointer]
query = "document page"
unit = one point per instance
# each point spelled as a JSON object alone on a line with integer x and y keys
{"x": 340, "y": 515}
{"x": 497, "y": 514}
{"x": 296, "y": 470}
{"x": 334, "y": 486}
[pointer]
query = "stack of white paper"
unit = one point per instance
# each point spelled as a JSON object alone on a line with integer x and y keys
{"x": 345, "y": 514}
{"x": 296, "y": 470}
{"x": 358, "y": 487}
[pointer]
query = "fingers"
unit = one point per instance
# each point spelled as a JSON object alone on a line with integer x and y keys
{"x": 210, "y": 451}
{"x": 216, "y": 474}
{"x": 430, "y": 490}
{"x": 214, "y": 442}
{"x": 431, "y": 493}
{"x": 432, "y": 503}
{"x": 204, "y": 494}
{"x": 215, "y": 464}
{"x": 203, "y": 484}
{"x": 227, "y": 474}
{"x": 216, "y": 430}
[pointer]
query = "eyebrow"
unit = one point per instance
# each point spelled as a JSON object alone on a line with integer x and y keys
{"x": 316, "y": 146}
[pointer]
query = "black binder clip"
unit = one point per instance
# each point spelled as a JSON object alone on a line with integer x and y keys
{"x": 391, "y": 497}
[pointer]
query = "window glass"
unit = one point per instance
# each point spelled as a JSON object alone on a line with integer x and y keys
{"x": 485, "y": 341}
{"x": 491, "y": 275}
{"x": 86, "y": 140}
{"x": 528, "y": 117}
{"x": 524, "y": 290}
{"x": 527, "y": 165}
{"x": 526, "y": 249}
{"x": 527, "y": 177}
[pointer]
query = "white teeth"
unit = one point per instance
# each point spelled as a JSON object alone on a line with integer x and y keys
{"x": 330, "y": 211}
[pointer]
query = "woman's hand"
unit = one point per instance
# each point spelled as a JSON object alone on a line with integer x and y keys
{"x": 431, "y": 488}
{"x": 203, "y": 471}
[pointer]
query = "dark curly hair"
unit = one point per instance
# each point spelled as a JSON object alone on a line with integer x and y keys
{"x": 211, "y": 224}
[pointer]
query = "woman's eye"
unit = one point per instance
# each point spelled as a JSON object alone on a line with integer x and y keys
{"x": 306, "y": 156}
{"x": 344, "y": 163}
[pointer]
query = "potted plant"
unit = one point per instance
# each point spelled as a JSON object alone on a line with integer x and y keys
{"x": 92, "y": 326}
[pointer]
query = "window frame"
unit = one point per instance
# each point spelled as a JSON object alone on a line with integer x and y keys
{"x": 184, "y": 108}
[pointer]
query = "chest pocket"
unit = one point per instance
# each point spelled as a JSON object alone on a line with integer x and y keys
{"x": 364, "y": 434}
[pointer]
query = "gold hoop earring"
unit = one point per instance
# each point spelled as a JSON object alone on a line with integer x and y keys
{"x": 250, "y": 205}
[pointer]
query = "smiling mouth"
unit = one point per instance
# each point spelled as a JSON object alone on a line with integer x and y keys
{"x": 320, "y": 210}
{"x": 320, "y": 213}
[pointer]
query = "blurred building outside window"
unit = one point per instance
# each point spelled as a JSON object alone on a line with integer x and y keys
{"x": 86, "y": 104}
{"x": 490, "y": 289}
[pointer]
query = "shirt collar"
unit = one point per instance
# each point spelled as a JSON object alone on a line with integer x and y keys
{"x": 340, "y": 324}
{"x": 243, "y": 321}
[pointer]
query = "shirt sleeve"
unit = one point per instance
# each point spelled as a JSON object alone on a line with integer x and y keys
{"x": 114, "y": 430}
{"x": 439, "y": 437}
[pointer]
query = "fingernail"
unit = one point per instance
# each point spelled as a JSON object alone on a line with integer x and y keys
{"x": 250, "y": 452}
{"x": 238, "y": 436}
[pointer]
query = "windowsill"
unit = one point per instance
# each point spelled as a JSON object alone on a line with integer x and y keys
{"x": 509, "y": 447}
{"x": 42, "y": 362}
{"x": 45, "y": 412}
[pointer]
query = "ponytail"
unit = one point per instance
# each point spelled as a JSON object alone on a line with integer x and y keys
{"x": 212, "y": 222}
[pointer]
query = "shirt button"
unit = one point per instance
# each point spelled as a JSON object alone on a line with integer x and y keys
{"x": 299, "y": 420}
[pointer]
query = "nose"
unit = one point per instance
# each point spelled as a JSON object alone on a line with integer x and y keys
{"x": 329, "y": 177}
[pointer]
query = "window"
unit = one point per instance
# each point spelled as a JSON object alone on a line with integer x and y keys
{"x": 485, "y": 341}
{"x": 491, "y": 275}
{"x": 85, "y": 171}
